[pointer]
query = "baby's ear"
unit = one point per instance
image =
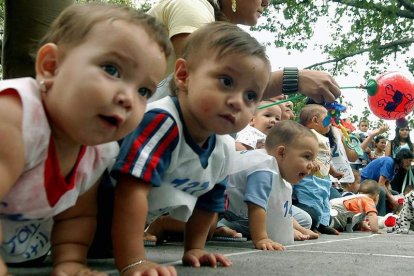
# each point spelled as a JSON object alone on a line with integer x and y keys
{"x": 46, "y": 61}
{"x": 280, "y": 151}
{"x": 181, "y": 74}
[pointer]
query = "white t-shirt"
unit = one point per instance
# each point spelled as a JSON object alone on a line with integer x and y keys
{"x": 263, "y": 185}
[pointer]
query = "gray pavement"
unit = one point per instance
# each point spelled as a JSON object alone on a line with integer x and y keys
{"x": 355, "y": 253}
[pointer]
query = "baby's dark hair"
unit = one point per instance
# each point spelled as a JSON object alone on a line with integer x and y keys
{"x": 369, "y": 187}
{"x": 378, "y": 138}
{"x": 75, "y": 22}
{"x": 286, "y": 132}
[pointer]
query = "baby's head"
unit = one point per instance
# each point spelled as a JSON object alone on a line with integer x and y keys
{"x": 286, "y": 107}
{"x": 312, "y": 116}
{"x": 221, "y": 77}
{"x": 354, "y": 186}
{"x": 295, "y": 148}
{"x": 363, "y": 125}
{"x": 370, "y": 188}
{"x": 264, "y": 119}
{"x": 92, "y": 68}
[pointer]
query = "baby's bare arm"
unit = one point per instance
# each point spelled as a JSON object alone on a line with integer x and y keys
{"x": 373, "y": 222}
{"x": 130, "y": 213}
{"x": 11, "y": 148}
{"x": 258, "y": 229}
{"x": 196, "y": 232}
{"x": 72, "y": 233}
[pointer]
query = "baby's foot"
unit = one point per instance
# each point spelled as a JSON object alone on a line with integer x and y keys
{"x": 225, "y": 231}
{"x": 149, "y": 237}
{"x": 154, "y": 232}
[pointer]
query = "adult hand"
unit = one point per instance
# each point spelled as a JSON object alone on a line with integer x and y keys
{"x": 318, "y": 85}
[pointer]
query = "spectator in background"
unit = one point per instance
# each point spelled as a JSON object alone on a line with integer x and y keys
{"x": 383, "y": 171}
{"x": 401, "y": 140}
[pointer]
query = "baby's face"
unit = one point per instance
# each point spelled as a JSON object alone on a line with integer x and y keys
{"x": 101, "y": 86}
{"x": 220, "y": 95}
{"x": 363, "y": 126}
{"x": 297, "y": 159}
{"x": 266, "y": 118}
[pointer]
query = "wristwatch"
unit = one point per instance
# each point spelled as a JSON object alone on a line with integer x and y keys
{"x": 290, "y": 82}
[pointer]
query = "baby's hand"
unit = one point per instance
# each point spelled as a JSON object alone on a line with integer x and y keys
{"x": 338, "y": 175}
{"x": 268, "y": 244}
{"x": 75, "y": 269}
{"x": 198, "y": 257}
{"x": 150, "y": 268}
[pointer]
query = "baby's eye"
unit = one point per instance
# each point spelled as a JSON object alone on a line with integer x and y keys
{"x": 251, "y": 96}
{"x": 111, "y": 70}
{"x": 226, "y": 81}
{"x": 145, "y": 92}
{"x": 309, "y": 157}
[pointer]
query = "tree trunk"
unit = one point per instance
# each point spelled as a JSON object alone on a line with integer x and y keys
{"x": 26, "y": 21}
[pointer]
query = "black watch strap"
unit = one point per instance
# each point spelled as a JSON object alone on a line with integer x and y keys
{"x": 290, "y": 82}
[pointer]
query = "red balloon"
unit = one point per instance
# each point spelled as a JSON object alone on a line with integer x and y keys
{"x": 394, "y": 98}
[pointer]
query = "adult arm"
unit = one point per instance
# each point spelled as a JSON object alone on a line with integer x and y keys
{"x": 318, "y": 85}
{"x": 384, "y": 182}
{"x": 365, "y": 144}
{"x": 388, "y": 148}
{"x": 178, "y": 42}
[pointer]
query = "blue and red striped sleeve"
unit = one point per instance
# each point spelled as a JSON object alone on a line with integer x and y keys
{"x": 146, "y": 152}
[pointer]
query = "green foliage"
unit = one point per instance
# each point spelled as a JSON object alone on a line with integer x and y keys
{"x": 381, "y": 30}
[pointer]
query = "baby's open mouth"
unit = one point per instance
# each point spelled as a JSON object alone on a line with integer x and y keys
{"x": 110, "y": 119}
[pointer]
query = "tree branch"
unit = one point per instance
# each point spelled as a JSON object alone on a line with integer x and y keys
{"x": 393, "y": 44}
{"x": 407, "y": 4}
{"x": 378, "y": 7}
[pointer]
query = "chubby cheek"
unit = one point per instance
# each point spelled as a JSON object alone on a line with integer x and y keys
{"x": 134, "y": 119}
{"x": 245, "y": 118}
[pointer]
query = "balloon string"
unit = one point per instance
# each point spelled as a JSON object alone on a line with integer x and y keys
{"x": 353, "y": 87}
{"x": 299, "y": 97}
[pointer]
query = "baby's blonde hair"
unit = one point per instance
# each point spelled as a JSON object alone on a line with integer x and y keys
{"x": 74, "y": 24}
{"x": 309, "y": 111}
{"x": 286, "y": 133}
